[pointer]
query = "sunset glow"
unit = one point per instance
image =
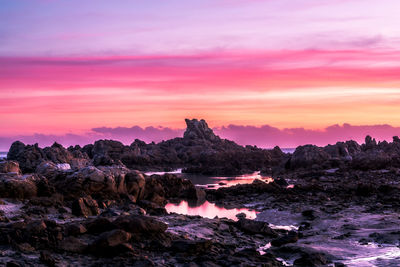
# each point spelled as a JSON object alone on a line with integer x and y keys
{"x": 69, "y": 67}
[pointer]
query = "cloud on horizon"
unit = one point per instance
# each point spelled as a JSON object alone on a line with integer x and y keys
{"x": 265, "y": 136}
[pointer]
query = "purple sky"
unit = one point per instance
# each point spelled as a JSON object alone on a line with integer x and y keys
{"x": 68, "y": 67}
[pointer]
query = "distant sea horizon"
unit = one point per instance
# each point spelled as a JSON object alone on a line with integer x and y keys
{"x": 3, "y": 154}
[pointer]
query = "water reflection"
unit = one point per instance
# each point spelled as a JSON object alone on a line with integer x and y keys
{"x": 215, "y": 182}
{"x": 208, "y": 210}
{"x": 177, "y": 171}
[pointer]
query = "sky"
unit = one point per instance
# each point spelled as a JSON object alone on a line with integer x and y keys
{"x": 70, "y": 67}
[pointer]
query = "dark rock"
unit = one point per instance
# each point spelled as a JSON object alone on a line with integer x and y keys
{"x": 85, "y": 207}
{"x": 140, "y": 224}
{"x": 16, "y": 186}
{"x": 311, "y": 260}
{"x": 47, "y": 258}
{"x": 309, "y": 214}
{"x": 28, "y": 156}
{"x": 13, "y": 264}
{"x": 307, "y": 156}
{"x": 290, "y": 237}
{"x": 73, "y": 244}
{"x": 111, "y": 243}
{"x": 135, "y": 185}
{"x": 256, "y": 227}
{"x": 75, "y": 229}
{"x": 191, "y": 246}
{"x": 99, "y": 225}
{"x": 9, "y": 166}
{"x": 281, "y": 182}
{"x": 107, "y": 152}
{"x": 198, "y": 130}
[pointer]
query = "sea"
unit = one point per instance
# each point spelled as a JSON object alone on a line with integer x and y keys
{"x": 3, "y": 155}
{"x": 288, "y": 150}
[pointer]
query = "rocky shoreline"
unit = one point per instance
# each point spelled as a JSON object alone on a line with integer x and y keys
{"x": 93, "y": 205}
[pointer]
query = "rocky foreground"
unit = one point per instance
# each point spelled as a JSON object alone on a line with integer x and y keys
{"x": 94, "y": 206}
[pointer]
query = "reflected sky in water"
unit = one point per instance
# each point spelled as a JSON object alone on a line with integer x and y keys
{"x": 208, "y": 210}
{"x": 215, "y": 182}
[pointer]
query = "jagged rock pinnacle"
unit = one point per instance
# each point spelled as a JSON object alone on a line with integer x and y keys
{"x": 196, "y": 129}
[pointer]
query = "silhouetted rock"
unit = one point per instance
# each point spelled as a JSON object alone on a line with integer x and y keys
{"x": 307, "y": 156}
{"x": 196, "y": 129}
{"x": 28, "y": 156}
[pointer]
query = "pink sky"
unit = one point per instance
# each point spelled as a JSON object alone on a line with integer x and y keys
{"x": 68, "y": 67}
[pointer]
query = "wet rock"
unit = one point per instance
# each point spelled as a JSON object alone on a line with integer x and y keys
{"x": 75, "y": 229}
{"x": 47, "y": 258}
{"x": 191, "y": 246}
{"x": 154, "y": 191}
{"x": 386, "y": 238}
{"x": 290, "y": 237}
{"x": 256, "y": 227}
{"x": 152, "y": 208}
{"x": 140, "y": 224}
{"x": 309, "y": 214}
{"x": 281, "y": 182}
{"x": 85, "y": 207}
{"x": 13, "y": 264}
{"x": 99, "y": 225}
{"x": 48, "y": 169}
{"x": 171, "y": 186}
{"x": 311, "y": 260}
{"x": 111, "y": 243}
{"x": 73, "y": 244}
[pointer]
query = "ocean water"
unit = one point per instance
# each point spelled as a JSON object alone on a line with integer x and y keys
{"x": 3, "y": 155}
{"x": 288, "y": 150}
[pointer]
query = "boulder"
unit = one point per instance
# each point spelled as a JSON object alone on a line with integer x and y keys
{"x": 28, "y": 156}
{"x": 58, "y": 154}
{"x": 9, "y": 166}
{"x": 18, "y": 186}
{"x": 47, "y": 169}
{"x": 256, "y": 227}
{"x": 107, "y": 152}
{"x": 140, "y": 224}
{"x": 88, "y": 181}
{"x": 75, "y": 229}
{"x": 99, "y": 225}
{"x": 290, "y": 237}
{"x": 135, "y": 185}
{"x": 85, "y": 206}
{"x": 111, "y": 243}
{"x": 307, "y": 156}
{"x": 73, "y": 244}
